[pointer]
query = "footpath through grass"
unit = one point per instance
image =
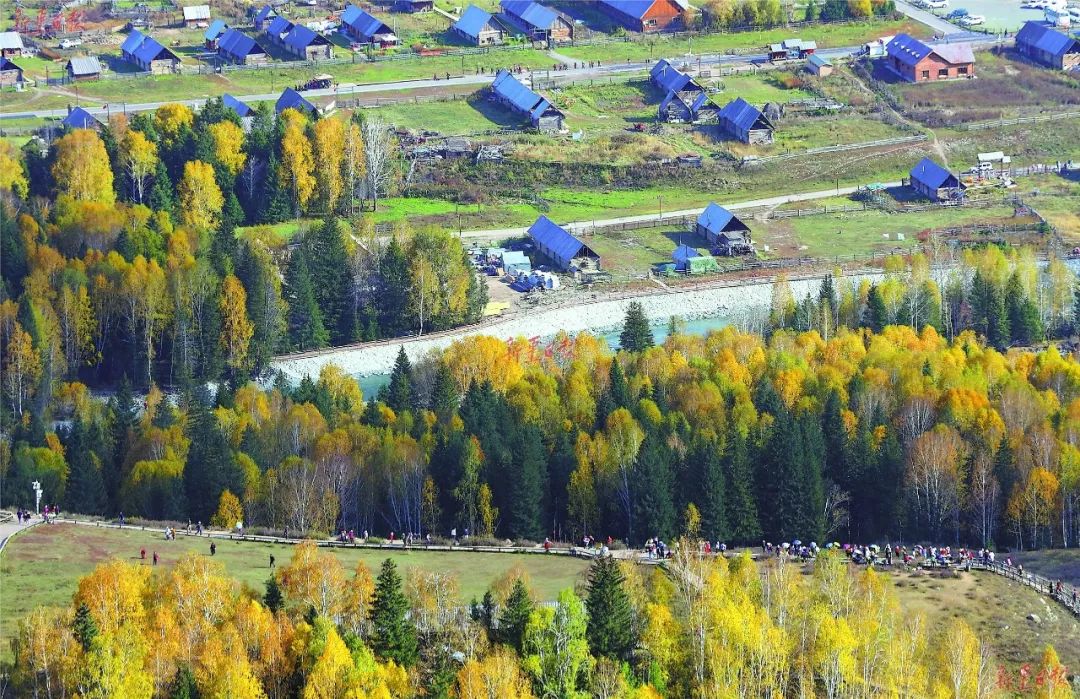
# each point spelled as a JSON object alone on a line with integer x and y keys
{"x": 43, "y": 566}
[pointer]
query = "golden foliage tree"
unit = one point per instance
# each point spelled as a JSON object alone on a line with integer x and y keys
{"x": 81, "y": 169}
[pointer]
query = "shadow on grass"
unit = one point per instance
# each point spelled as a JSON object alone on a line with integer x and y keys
{"x": 498, "y": 116}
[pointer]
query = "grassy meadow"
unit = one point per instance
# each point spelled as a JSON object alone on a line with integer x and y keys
{"x": 42, "y": 566}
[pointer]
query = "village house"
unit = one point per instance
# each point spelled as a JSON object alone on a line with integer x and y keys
{"x": 916, "y": 62}
{"x": 819, "y": 66}
{"x": 307, "y": 45}
{"x": 79, "y": 118}
{"x": 213, "y": 33}
{"x": 263, "y": 17}
{"x": 745, "y": 122}
{"x": 935, "y": 182}
{"x": 242, "y": 109}
{"x": 83, "y": 68}
{"x": 366, "y": 29}
{"x": 685, "y": 100}
{"x": 148, "y": 54}
{"x": 291, "y": 99}
{"x": 480, "y": 28}
{"x": 509, "y": 91}
{"x": 791, "y": 49}
{"x": 196, "y": 15}
{"x": 236, "y": 47}
{"x": 1043, "y": 44}
{"x": 10, "y": 73}
{"x": 536, "y": 21}
{"x": 724, "y": 230}
{"x": 11, "y": 45}
{"x": 564, "y": 250}
{"x": 645, "y": 15}
{"x": 276, "y": 30}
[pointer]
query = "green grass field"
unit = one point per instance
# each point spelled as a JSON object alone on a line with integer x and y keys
{"x": 43, "y": 566}
{"x": 826, "y": 35}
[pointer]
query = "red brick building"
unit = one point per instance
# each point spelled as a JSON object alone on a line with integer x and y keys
{"x": 644, "y": 15}
{"x": 917, "y": 62}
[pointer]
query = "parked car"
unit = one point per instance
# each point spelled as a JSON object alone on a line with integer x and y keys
{"x": 70, "y": 43}
{"x": 937, "y": 4}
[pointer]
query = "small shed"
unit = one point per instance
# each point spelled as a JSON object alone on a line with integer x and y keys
{"x": 562, "y": 248}
{"x": 511, "y": 92}
{"x": 10, "y": 73}
{"x": 935, "y": 182}
{"x": 819, "y": 65}
{"x": 366, "y": 28}
{"x": 263, "y": 17}
{"x": 213, "y": 33}
{"x": 194, "y": 15}
{"x": 536, "y": 21}
{"x": 691, "y": 261}
{"x": 307, "y": 45}
{"x": 83, "y": 68}
{"x": 724, "y": 230}
{"x": 745, "y": 122}
{"x": 480, "y": 28}
{"x": 11, "y": 44}
{"x": 79, "y": 118}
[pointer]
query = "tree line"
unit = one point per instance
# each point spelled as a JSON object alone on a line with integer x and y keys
{"x": 121, "y": 254}
{"x": 705, "y": 627}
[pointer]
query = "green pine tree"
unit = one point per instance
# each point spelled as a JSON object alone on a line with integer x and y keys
{"x": 85, "y": 491}
{"x": 617, "y": 386}
{"x": 444, "y": 396}
{"x": 306, "y": 329}
{"x": 84, "y": 627}
{"x": 394, "y": 284}
{"x": 636, "y": 334}
{"x": 611, "y": 618}
{"x": 709, "y": 492}
{"x": 184, "y": 685}
{"x": 1025, "y": 325}
{"x": 393, "y": 636}
{"x": 162, "y": 197}
{"x": 210, "y": 467}
{"x": 515, "y": 616}
{"x": 273, "y": 597}
{"x": 877, "y": 316}
{"x": 400, "y": 395}
{"x": 655, "y": 484}
{"x": 331, "y": 278}
{"x": 742, "y": 511}
{"x": 527, "y": 475}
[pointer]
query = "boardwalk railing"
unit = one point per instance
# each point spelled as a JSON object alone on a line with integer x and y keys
{"x": 1065, "y": 593}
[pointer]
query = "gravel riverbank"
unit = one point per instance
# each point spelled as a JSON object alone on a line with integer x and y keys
{"x": 734, "y": 302}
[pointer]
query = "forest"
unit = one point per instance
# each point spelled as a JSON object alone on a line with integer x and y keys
{"x": 705, "y": 627}
{"x": 121, "y": 248}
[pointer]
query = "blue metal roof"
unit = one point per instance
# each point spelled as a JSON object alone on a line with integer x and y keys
{"x": 235, "y": 43}
{"x": 818, "y": 60}
{"x": 1045, "y": 38}
{"x": 631, "y": 8}
{"x": 531, "y": 13}
{"x": 79, "y": 118}
{"x": 907, "y": 49}
{"x": 685, "y": 252}
{"x": 562, "y": 246}
{"x": 301, "y": 37}
{"x": 931, "y": 174}
{"x": 278, "y": 26}
{"x": 241, "y": 109}
{"x": 716, "y": 218}
{"x": 133, "y": 41}
{"x": 668, "y": 77}
{"x": 742, "y": 114}
{"x": 362, "y": 23}
{"x": 6, "y": 65}
{"x": 291, "y": 99}
{"x": 265, "y": 12}
{"x": 513, "y": 91}
{"x": 472, "y": 22}
{"x": 216, "y": 29}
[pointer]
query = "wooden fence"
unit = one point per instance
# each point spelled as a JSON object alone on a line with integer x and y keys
{"x": 976, "y": 125}
{"x": 1065, "y": 593}
{"x": 839, "y": 148}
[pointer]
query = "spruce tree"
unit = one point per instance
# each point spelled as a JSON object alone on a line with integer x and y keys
{"x": 877, "y": 316}
{"x": 1025, "y": 325}
{"x": 393, "y": 299}
{"x": 444, "y": 397}
{"x": 617, "y": 386}
{"x": 210, "y": 467}
{"x": 636, "y": 334}
{"x": 306, "y": 329}
{"x": 123, "y": 422}
{"x": 393, "y": 636}
{"x": 654, "y": 505}
{"x": 273, "y": 598}
{"x": 184, "y": 685}
{"x": 400, "y": 395}
{"x": 85, "y": 492}
{"x": 515, "y": 616}
{"x": 742, "y": 512}
{"x": 330, "y": 277}
{"x": 610, "y": 630}
{"x": 527, "y": 485}
{"x": 710, "y": 491}
{"x": 84, "y": 627}
{"x": 162, "y": 197}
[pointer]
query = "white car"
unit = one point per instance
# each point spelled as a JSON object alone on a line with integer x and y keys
{"x": 937, "y": 4}
{"x": 70, "y": 43}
